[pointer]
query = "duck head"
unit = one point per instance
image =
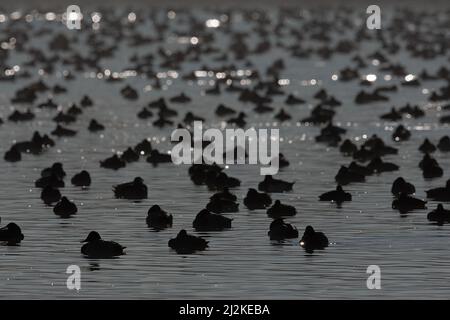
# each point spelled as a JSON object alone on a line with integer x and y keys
{"x": 92, "y": 236}
{"x": 309, "y": 231}
{"x": 182, "y": 233}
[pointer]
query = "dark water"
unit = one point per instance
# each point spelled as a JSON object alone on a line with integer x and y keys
{"x": 241, "y": 263}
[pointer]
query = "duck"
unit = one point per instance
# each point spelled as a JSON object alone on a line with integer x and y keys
{"x": 129, "y": 93}
{"x": 74, "y": 110}
{"x": 239, "y": 120}
{"x": 223, "y": 111}
{"x": 134, "y": 190}
{"x": 363, "y": 170}
{"x": 282, "y": 115}
{"x": 64, "y": 118}
{"x": 393, "y": 115}
{"x": 269, "y": 184}
{"x": 222, "y": 206}
{"x": 220, "y": 180}
{"x": 225, "y": 194}
{"x": 208, "y": 221}
{"x": 48, "y": 104}
{"x": 401, "y": 186}
{"x": 143, "y": 148}
{"x": 158, "y": 218}
{"x": 51, "y": 180}
{"x": 378, "y": 166}
{"x": 432, "y": 171}
{"x": 144, "y": 113}
{"x": 156, "y": 157}
{"x": 13, "y": 155}
{"x": 97, "y": 248}
{"x": 65, "y": 208}
{"x": 313, "y": 240}
{"x": 427, "y": 147}
{"x": 11, "y": 234}
{"x": 346, "y": 176}
{"x": 444, "y": 144}
{"x": 405, "y": 203}
{"x": 60, "y": 131}
{"x": 292, "y": 100}
{"x": 113, "y": 162}
{"x": 281, "y": 210}
{"x": 439, "y": 215}
{"x": 348, "y": 148}
{"x": 95, "y": 126}
{"x": 56, "y": 169}
{"x": 129, "y": 155}
{"x": 185, "y": 243}
{"x": 338, "y": 195}
{"x": 50, "y": 195}
{"x": 181, "y": 98}
{"x": 86, "y": 101}
{"x": 440, "y": 194}
{"x": 81, "y": 179}
{"x": 18, "y": 116}
{"x": 257, "y": 200}
{"x": 401, "y": 134}
{"x": 279, "y": 230}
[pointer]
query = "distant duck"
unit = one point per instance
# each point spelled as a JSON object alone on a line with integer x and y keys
{"x": 74, "y": 110}
{"x": 346, "y": 176}
{"x": 144, "y": 113}
{"x": 338, "y": 195}
{"x": 162, "y": 122}
{"x": 255, "y": 200}
{"x": 65, "y": 208}
{"x": 280, "y": 230}
{"x": 223, "y": 110}
{"x": 393, "y": 115}
{"x": 220, "y": 180}
{"x": 156, "y": 157}
{"x": 405, "y": 203}
{"x": 262, "y": 108}
{"x": 60, "y": 131}
{"x": 143, "y": 148}
{"x": 18, "y": 116}
{"x": 444, "y": 144}
{"x": 269, "y": 184}
{"x": 292, "y": 100}
{"x": 439, "y": 215}
{"x": 96, "y": 248}
{"x": 131, "y": 190}
{"x": 430, "y": 167}
{"x": 378, "y": 166}
{"x": 129, "y": 93}
{"x": 86, "y": 101}
{"x": 427, "y": 146}
{"x": 129, "y": 155}
{"x": 224, "y": 195}
{"x": 427, "y": 161}
{"x": 239, "y": 120}
{"x": 366, "y": 97}
{"x": 222, "y": 206}
{"x": 50, "y": 195}
{"x": 52, "y": 180}
{"x": 64, "y": 118}
{"x": 313, "y": 240}
{"x": 363, "y": 154}
{"x": 348, "y": 148}
{"x": 56, "y": 169}
{"x": 363, "y": 170}
{"x": 401, "y": 186}
{"x": 181, "y": 98}
{"x": 48, "y": 104}
{"x": 11, "y": 234}
{"x": 185, "y": 243}
{"x": 189, "y": 118}
{"x": 401, "y": 134}
{"x": 440, "y": 194}
{"x": 158, "y": 218}
{"x": 281, "y": 210}
{"x": 283, "y": 116}
{"x": 81, "y": 179}
{"x": 12, "y": 155}
{"x": 113, "y": 162}
{"x": 207, "y": 221}
{"x": 95, "y": 126}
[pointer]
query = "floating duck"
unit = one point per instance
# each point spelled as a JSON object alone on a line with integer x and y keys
{"x": 158, "y": 218}
{"x": 269, "y": 184}
{"x": 185, "y": 243}
{"x": 207, "y": 221}
{"x": 405, "y": 203}
{"x": 134, "y": 190}
{"x": 50, "y": 195}
{"x": 313, "y": 240}
{"x": 65, "y": 208}
{"x": 97, "y": 248}
{"x": 11, "y": 234}
{"x": 338, "y": 195}
{"x": 279, "y": 230}
{"x": 81, "y": 179}
{"x": 401, "y": 186}
{"x": 281, "y": 210}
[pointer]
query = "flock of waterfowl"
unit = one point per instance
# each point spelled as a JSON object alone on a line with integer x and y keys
{"x": 312, "y": 38}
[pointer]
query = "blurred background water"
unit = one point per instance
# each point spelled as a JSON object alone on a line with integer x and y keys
{"x": 242, "y": 262}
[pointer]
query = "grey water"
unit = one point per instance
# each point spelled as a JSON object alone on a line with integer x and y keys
{"x": 242, "y": 262}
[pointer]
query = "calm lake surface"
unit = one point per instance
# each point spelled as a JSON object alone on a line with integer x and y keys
{"x": 242, "y": 262}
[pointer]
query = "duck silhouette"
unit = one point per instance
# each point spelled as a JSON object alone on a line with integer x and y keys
{"x": 377, "y": 165}
{"x": 81, "y": 179}
{"x": 348, "y": 148}
{"x": 393, "y": 115}
{"x": 52, "y": 180}
{"x": 405, "y": 203}
{"x": 223, "y": 111}
{"x": 279, "y": 230}
{"x": 427, "y": 146}
{"x": 401, "y": 134}
{"x": 129, "y": 93}
{"x": 313, "y": 240}
{"x": 144, "y": 113}
{"x": 181, "y": 98}
{"x": 185, "y": 243}
{"x": 363, "y": 170}
{"x": 338, "y": 195}
{"x": 224, "y": 195}
{"x": 11, "y": 234}
{"x": 281, "y": 210}
{"x": 440, "y": 194}
{"x": 86, "y": 101}
{"x": 129, "y": 155}
{"x": 134, "y": 190}
{"x": 66, "y": 118}
{"x": 207, "y": 221}
{"x": 65, "y": 208}
{"x": 220, "y": 205}
{"x": 60, "y": 131}
{"x": 239, "y": 120}
{"x": 97, "y": 248}
{"x": 50, "y": 195}
{"x": 401, "y": 186}
{"x": 113, "y": 162}
{"x": 13, "y": 155}
{"x": 292, "y": 100}
{"x": 95, "y": 126}
{"x": 269, "y": 184}
{"x": 143, "y": 148}
{"x": 158, "y": 218}
{"x": 444, "y": 144}
{"x": 439, "y": 215}
{"x": 56, "y": 169}
{"x": 256, "y": 200}
{"x": 156, "y": 157}
{"x": 346, "y": 176}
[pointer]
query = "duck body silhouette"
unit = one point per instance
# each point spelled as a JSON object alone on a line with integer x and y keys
{"x": 338, "y": 195}
{"x": 405, "y": 203}
{"x": 156, "y": 157}
{"x": 134, "y": 190}
{"x": 143, "y": 148}
{"x": 95, "y": 126}
{"x": 346, "y": 176}
{"x": 207, "y": 221}
{"x": 11, "y": 234}
{"x": 257, "y": 200}
{"x": 50, "y": 195}
{"x": 113, "y": 162}
{"x": 12, "y": 155}
{"x": 185, "y": 243}
{"x": 281, "y": 210}
{"x": 280, "y": 230}
{"x": 439, "y": 215}
{"x": 95, "y": 247}
{"x": 81, "y": 179}
{"x": 444, "y": 144}
{"x": 313, "y": 240}
{"x": 440, "y": 194}
{"x": 401, "y": 186}
{"x": 224, "y": 195}
{"x": 269, "y": 184}
{"x": 378, "y": 166}
{"x": 158, "y": 218}
{"x": 52, "y": 180}
{"x": 222, "y": 206}
{"x": 65, "y": 208}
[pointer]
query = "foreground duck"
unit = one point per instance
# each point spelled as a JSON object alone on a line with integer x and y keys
{"x": 185, "y": 243}
{"x": 280, "y": 230}
{"x": 134, "y": 190}
{"x": 158, "y": 218}
{"x": 95, "y": 247}
{"x": 11, "y": 234}
{"x": 313, "y": 240}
